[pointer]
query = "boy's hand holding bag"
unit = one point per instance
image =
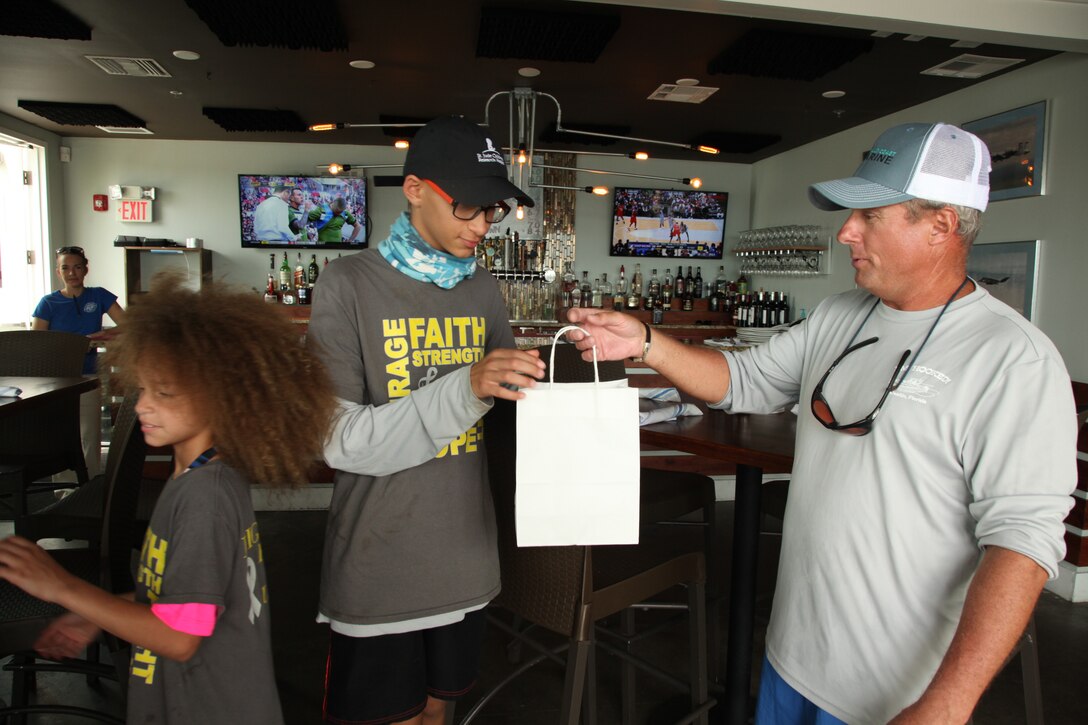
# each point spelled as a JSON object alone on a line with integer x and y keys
{"x": 577, "y": 462}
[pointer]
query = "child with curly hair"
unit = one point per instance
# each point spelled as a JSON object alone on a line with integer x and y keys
{"x": 227, "y": 383}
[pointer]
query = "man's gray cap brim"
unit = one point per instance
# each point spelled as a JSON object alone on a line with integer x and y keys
{"x": 853, "y": 193}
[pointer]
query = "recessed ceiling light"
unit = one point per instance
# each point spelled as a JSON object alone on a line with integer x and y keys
{"x": 833, "y": 94}
{"x": 528, "y": 72}
{"x": 882, "y": 34}
{"x": 687, "y": 81}
{"x": 362, "y": 64}
{"x": 176, "y": 93}
{"x": 186, "y": 55}
{"x": 915, "y": 38}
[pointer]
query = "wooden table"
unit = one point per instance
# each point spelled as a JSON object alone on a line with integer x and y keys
{"x": 753, "y": 442}
{"x": 37, "y": 391}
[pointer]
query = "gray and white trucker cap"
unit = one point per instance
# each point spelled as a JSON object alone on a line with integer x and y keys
{"x": 934, "y": 161}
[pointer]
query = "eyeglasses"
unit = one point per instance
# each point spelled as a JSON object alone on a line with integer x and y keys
{"x": 493, "y": 213}
{"x": 70, "y": 250}
{"x": 822, "y": 409}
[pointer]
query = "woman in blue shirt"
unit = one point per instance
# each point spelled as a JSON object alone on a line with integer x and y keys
{"x": 79, "y": 309}
{"x": 76, "y": 308}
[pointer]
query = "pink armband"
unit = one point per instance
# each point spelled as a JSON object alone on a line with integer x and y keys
{"x": 194, "y": 618}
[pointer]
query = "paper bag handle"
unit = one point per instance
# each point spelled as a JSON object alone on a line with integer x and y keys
{"x": 551, "y": 363}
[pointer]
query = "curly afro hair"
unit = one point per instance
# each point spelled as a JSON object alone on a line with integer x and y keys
{"x": 267, "y": 399}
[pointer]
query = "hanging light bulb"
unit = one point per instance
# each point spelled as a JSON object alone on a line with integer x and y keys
{"x": 520, "y": 213}
{"x": 401, "y": 143}
{"x": 600, "y": 190}
{"x": 640, "y": 155}
{"x": 326, "y": 126}
{"x": 335, "y": 169}
{"x": 706, "y": 149}
{"x": 694, "y": 182}
{"x": 522, "y": 158}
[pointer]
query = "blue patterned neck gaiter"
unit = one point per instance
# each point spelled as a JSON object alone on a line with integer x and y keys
{"x": 410, "y": 255}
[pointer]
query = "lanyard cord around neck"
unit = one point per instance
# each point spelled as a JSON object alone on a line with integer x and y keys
{"x": 932, "y": 327}
{"x": 202, "y": 459}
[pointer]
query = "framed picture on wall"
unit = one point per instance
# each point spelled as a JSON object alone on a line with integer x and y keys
{"x": 1017, "y": 143}
{"x": 1008, "y": 271}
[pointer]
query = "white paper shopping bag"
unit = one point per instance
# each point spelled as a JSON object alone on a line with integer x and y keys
{"x": 577, "y": 462}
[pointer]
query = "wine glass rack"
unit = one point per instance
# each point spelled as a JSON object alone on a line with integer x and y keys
{"x": 793, "y": 250}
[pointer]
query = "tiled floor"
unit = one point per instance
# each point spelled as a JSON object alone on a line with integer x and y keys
{"x": 293, "y": 546}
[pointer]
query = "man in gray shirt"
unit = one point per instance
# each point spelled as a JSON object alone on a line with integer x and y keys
{"x": 935, "y": 450}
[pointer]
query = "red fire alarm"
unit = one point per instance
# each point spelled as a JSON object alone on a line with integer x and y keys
{"x": 101, "y": 202}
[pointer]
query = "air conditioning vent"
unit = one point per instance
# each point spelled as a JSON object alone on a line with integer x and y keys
{"x": 135, "y": 67}
{"x": 971, "y": 66}
{"x": 134, "y": 130}
{"x": 682, "y": 94}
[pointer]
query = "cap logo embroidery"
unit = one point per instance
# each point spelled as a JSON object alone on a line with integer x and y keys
{"x": 880, "y": 156}
{"x": 490, "y": 154}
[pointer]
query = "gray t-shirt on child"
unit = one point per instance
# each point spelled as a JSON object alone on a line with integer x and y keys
{"x": 203, "y": 546}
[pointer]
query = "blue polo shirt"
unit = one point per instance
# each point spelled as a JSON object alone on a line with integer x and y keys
{"x": 82, "y": 315}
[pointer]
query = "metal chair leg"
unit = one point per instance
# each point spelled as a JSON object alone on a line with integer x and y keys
{"x": 627, "y": 673}
{"x": 697, "y": 647}
{"x": 1029, "y": 665}
{"x": 574, "y": 683}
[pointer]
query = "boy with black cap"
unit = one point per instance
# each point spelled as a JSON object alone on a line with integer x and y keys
{"x": 419, "y": 344}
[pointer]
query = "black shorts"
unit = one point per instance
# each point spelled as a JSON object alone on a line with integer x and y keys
{"x": 386, "y": 679}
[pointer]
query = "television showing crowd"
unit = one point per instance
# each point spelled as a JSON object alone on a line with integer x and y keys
{"x": 304, "y": 210}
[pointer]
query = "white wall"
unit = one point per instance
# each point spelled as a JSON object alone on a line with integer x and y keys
{"x": 1059, "y": 218}
{"x": 197, "y": 196}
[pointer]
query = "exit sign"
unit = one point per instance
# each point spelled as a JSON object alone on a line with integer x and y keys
{"x": 134, "y": 210}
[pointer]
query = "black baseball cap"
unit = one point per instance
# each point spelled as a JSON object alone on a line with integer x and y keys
{"x": 461, "y": 158}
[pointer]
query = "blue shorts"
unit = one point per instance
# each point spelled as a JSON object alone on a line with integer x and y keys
{"x": 780, "y": 704}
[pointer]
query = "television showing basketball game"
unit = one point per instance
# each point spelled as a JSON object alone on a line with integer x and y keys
{"x": 302, "y": 211}
{"x": 668, "y": 223}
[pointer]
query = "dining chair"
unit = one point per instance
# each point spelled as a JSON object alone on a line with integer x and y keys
{"x": 568, "y": 590}
{"x": 46, "y": 440}
{"x": 672, "y": 503}
{"x": 108, "y": 565}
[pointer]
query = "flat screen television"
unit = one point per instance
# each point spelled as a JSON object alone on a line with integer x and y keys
{"x": 321, "y": 212}
{"x": 668, "y": 223}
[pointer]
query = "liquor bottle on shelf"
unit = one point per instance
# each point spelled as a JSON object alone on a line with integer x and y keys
{"x": 687, "y": 302}
{"x": 689, "y": 283}
{"x": 634, "y": 295}
{"x": 714, "y": 301}
{"x": 666, "y": 291}
{"x": 730, "y": 304}
{"x": 619, "y": 297}
{"x": 679, "y": 287}
{"x": 721, "y": 284}
{"x": 653, "y": 291}
{"x": 698, "y": 292}
{"x": 606, "y": 290}
{"x": 285, "y": 274}
{"x": 742, "y": 284}
{"x": 783, "y": 310}
{"x": 587, "y": 290}
{"x": 270, "y": 288}
{"x": 299, "y": 278}
{"x": 312, "y": 271}
{"x": 597, "y": 296}
{"x": 568, "y": 286}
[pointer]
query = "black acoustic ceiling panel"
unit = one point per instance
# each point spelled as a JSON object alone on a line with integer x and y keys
{"x": 254, "y": 119}
{"x": 83, "y": 114}
{"x": 41, "y": 19}
{"x": 550, "y": 135}
{"x": 736, "y": 142}
{"x": 787, "y": 55}
{"x": 520, "y": 32}
{"x": 313, "y": 25}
